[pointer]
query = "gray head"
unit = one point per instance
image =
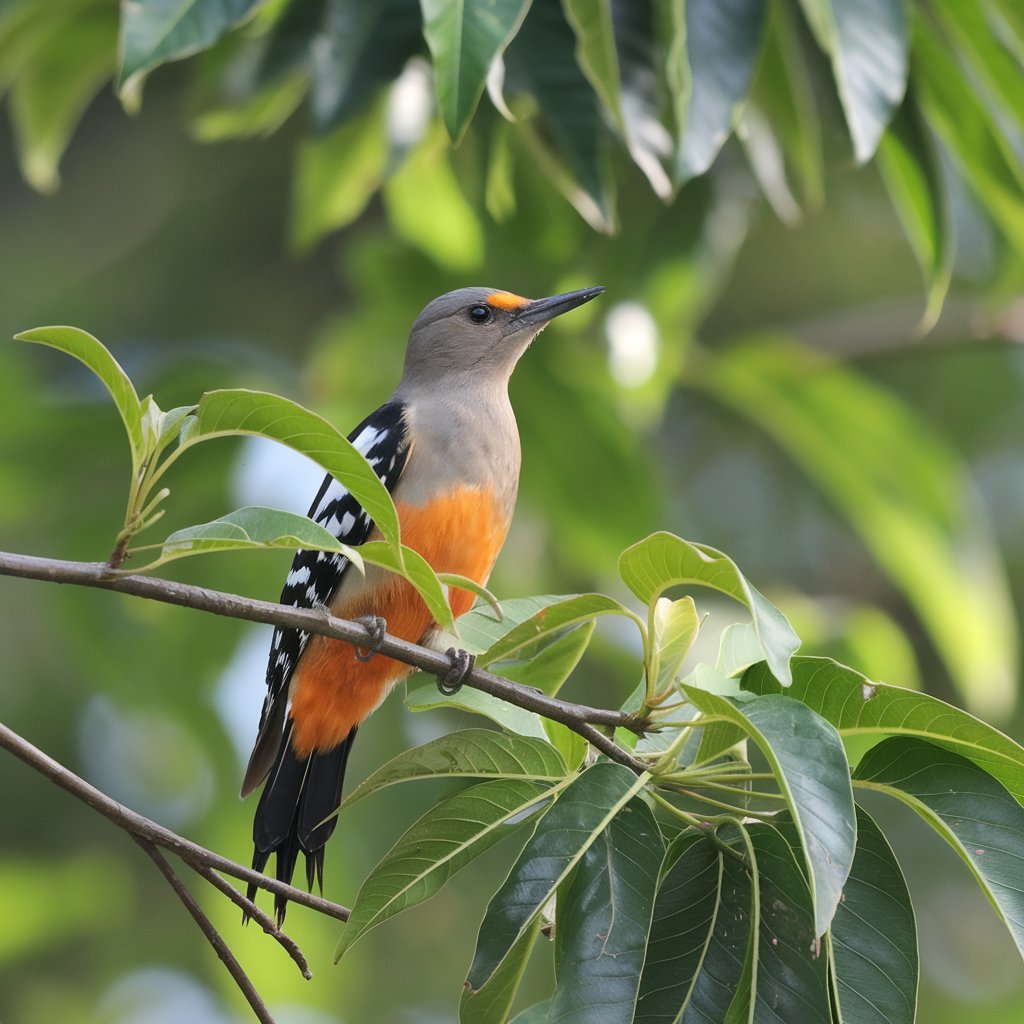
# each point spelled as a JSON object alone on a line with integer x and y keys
{"x": 479, "y": 332}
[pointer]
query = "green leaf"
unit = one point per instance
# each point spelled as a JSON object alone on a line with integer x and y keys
{"x": 674, "y": 629}
{"x": 411, "y": 565}
{"x": 604, "y": 916}
{"x": 465, "y": 36}
{"x": 807, "y": 758}
{"x": 791, "y": 978}
{"x": 508, "y": 716}
{"x": 957, "y": 113}
{"x": 53, "y": 90}
{"x": 857, "y": 706}
{"x": 480, "y": 629}
{"x": 90, "y": 351}
{"x": 900, "y": 486}
{"x": 541, "y": 61}
{"x": 470, "y": 754}
{"x": 253, "y": 527}
{"x": 156, "y": 31}
{"x": 492, "y": 1003}
{"x": 722, "y": 42}
{"x": 873, "y": 938}
{"x": 562, "y": 837}
{"x": 967, "y": 807}
{"x": 867, "y": 41}
{"x": 440, "y": 843}
{"x": 596, "y": 53}
{"x": 551, "y": 619}
{"x": 662, "y": 560}
{"x": 911, "y": 172}
{"x": 536, "y": 1014}
{"x": 685, "y": 914}
{"x": 738, "y": 649}
{"x": 232, "y": 412}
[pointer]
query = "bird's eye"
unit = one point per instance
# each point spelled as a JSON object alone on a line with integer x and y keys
{"x": 479, "y": 314}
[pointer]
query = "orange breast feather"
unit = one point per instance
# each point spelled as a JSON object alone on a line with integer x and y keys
{"x": 332, "y": 691}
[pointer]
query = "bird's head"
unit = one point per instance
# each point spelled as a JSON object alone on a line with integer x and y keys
{"x": 479, "y": 332}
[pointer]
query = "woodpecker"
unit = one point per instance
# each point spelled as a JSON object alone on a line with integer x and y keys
{"x": 446, "y": 446}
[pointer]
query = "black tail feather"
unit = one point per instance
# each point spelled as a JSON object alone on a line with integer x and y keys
{"x": 298, "y": 796}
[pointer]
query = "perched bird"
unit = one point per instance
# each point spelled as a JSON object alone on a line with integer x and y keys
{"x": 446, "y": 446}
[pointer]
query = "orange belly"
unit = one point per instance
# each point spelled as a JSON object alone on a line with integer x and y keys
{"x": 332, "y": 691}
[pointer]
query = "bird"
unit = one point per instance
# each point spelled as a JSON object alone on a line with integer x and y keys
{"x": 446, "y": 445}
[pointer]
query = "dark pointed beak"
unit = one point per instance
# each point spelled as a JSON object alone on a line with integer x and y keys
{"x": 540, "y": 311}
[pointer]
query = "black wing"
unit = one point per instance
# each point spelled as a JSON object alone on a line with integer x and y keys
{"x": 316, "y": 575}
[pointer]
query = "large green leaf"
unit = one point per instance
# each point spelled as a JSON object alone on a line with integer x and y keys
{"x": 899, "y": 485}
{"x": 563, "y": 836}
{"x": 722, "y": 42}
{"x": 253, "y": 527}
{"x": 550, "y": 620}
{"x": 873, "y": 938}
{"x": 856, "y": 706}
{"x": 810, "y": 767}
{"x": 156, "y": 31}
{"x": 685, "y": 912}
{"x": 661, "y": 561}
{"x": 596, "y": 52}
{"x": 911, "y": 172}
{"x": 867, "y": 41}
{"x": 232, "y": 412}
{"x": 442, "y": 842}
{"x": 492, "y": 1003}
{"x": 970, "y": 810}
{"x": 465, "y": 36}
{"x": 604, "y": 916}
{"x": 91, "y": 351}
{"x": 470, "y": 754}
{"x": 791, "y": 979}
{"x": 508, "y": 716}
{"x": 480, "y": 628}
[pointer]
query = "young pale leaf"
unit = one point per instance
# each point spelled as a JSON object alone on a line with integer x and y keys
{"x": 156, "y": 31}
{"x": 675, "y": 625}
{"x": 791, "y": 976}
{"x": 604, "y": 916}
{"x": 492, "y": 1003}
{"x": 810, "y": 767}
{"x": 873, "y": 938}
{"x": 508, "y": 716}
{"x": 663, "y": 560}
{"x": 465, "y": 36}
{"x": 967, "y": 807}
{"x": 253, "y": 527}
{"x": 563, "y": 836}
{"x": 232, "y": 412}
{"x": 685, "y": 911}
{"x": 412, "y": 566}
{"x": 867, "y": 41}
{"x": 899, "y": 486}
{"x": 439, "y": 844}
{"x": 912, "y": 175}
{"x": 722, "y": 41}
{"x": 856, "y": 706}
{"x": 470, "y": 754}
{"x": 92, "y": 352}
{"x": 551, "y": 619}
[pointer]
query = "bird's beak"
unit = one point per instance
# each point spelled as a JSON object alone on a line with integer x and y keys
{"x": 540, "y": 311}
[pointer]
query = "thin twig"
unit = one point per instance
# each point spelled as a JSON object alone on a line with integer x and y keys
{"x": 207, "y": 928}
{"x": 194, "y": 855}
{"x": 579, "y": 717}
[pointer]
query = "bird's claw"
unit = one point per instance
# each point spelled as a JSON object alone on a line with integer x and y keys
{"x": 460, "y": 665}
{"x": 377, "y": 628}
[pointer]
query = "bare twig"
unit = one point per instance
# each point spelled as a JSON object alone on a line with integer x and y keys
{"x": 194, "y": 855}
{"x": 211, "y": 933}
{"x": 579, "y": 717}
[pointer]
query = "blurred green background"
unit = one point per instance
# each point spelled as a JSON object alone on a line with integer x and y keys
{"x": 758, "y": 386}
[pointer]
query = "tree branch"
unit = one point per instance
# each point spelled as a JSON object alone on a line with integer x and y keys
{"x": 580, "y": 718}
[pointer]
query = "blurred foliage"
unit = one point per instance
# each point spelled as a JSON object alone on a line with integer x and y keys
{"x": 794, "y": 251}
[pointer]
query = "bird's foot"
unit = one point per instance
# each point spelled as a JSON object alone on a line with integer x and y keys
{"x": 460, "y": 665}
{"x": 377, "y": 628}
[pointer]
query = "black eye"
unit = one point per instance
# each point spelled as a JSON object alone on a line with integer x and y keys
{"x": 480, "y": 314}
